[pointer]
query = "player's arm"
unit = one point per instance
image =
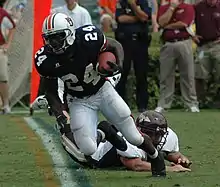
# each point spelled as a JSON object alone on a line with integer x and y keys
{"x": 178, "y": 158}
{"x": 97, "y": 44}
{"x": 50, "y": 83}
{"x": 136, "y": 164}
{"x": 54, "y": 99}
{"x": 172, "y": 152}
{"x": 116, "y": 48}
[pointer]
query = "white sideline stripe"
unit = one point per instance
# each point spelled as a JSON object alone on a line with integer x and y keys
{"x": 64, "y": 174}
{"x": 26, "y": 111}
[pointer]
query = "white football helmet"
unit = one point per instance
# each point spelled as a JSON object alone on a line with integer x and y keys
{"x": 58, "y": 32}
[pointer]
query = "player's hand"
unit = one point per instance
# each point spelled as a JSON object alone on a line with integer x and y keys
{"x": 179, "y": 168}
{"x": 183, "y": 161}
{"x": 63, "y": 119}
{"x": 111, "y": 71}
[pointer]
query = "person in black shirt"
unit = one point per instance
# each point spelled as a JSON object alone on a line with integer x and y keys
{"x": 132, "y": 32}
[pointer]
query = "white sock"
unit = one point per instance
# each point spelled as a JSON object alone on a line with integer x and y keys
{"x": 154, "y": 155}
{"x": 7, "y": 108}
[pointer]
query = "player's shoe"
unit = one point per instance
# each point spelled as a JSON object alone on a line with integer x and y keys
{"x": 111, "y": 135}
{"x": 39, "y": 103}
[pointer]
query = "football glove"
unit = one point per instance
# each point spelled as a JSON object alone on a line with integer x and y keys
{"x": 113, "y": 70}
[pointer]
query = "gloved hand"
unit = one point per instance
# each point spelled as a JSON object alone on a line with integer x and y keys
{"x": 111, "y": 71}
{"x": 63, "y": 120}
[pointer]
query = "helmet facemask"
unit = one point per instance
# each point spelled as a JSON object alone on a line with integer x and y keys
{"x": 155, "y": 126}
{"x": 58, "y": 41}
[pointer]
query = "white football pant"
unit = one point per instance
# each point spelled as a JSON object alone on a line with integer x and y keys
{"x": 84, "y": 118}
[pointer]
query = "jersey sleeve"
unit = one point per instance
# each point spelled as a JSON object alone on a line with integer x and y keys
{"x": 41, "y": 62}
{"x": 172, "y": 142}
{"x": 52, "y": 85}
{"x": 94, "y": 41}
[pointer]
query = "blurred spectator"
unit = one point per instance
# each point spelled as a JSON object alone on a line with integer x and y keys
{"x": 107, "y": 19}
{"x": 175, "y": 18}
{"x": 154, "y": 15}
{"x": 6, "y": 23}
{"x": 16, "y": 11}
{"x": 132, "y": 32}
{"x": 208, "y": 39}
{"x": 78, "y": 13}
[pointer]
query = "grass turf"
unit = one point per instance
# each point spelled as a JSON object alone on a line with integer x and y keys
{"x": 24, "y": 161}
{"x": 199, "y": 137}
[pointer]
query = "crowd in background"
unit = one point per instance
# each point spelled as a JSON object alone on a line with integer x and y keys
{"x": 132, "y": 22}
{"x": 8, "y": 20}
{"x": 177, "y": 22}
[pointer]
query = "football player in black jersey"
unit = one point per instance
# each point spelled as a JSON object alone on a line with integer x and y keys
{"x": 72, "y": 55}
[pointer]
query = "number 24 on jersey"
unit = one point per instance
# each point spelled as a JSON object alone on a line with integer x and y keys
{"x": 91, "y": 35}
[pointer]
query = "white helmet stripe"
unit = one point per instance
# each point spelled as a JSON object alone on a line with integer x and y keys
{"x": 50, "y": 21}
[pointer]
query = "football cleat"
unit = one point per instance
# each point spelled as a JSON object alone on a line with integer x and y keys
{"x": 39, "y": 103}
{"x": 112, "y": 136}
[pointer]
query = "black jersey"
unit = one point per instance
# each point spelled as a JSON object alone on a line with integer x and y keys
{"x": 76, "y": 67}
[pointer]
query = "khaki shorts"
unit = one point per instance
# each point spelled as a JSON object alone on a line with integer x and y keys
{"x": 207, "y": 61}
{"x": 3, "y": 66}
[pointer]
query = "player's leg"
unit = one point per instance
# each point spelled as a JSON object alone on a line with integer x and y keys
{"x": 84, "y": 125}
{"x": 110, "y": 134}
{"x": 116, "y": 111}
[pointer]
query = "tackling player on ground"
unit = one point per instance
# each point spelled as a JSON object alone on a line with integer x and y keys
{"x": 164, "y": 138}
{"x": 72, "y": 55}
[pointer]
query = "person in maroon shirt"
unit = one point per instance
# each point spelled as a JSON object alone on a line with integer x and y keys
{"x": 175, "y": 19}
{"x": 208, "y": 40}
{"x": 7, "y": 29}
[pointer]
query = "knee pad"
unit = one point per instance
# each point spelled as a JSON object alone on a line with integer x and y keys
{"x": 128, "y": 129}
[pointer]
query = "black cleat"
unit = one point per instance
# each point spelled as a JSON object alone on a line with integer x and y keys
{"x": 111, "y": 135}
{"x": 158, "y": 167}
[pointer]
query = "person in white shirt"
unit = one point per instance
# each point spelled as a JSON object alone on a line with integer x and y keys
{"x": 78, "y": 13}
{"x": 164, "y": 138}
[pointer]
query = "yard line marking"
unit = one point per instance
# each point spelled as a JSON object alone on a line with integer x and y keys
{"x": 64, "y": 174}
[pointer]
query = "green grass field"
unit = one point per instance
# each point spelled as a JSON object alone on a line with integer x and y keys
{"x": 24, "y": 161}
